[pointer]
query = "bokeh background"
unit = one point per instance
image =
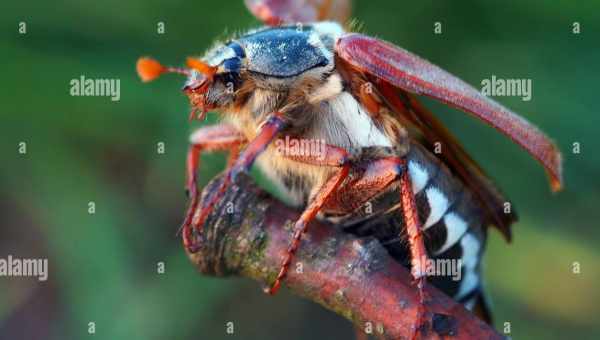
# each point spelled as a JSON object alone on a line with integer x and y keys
{"x": 103, "y": 266}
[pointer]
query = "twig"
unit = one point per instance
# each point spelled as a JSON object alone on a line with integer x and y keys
{"x": 248, "y": 234}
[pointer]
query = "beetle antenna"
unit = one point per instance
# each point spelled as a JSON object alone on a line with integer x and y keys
{"x": 202, "y": 67}
{"x": 149, "y": 69}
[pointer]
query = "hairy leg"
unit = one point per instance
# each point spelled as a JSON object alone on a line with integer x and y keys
{"x": 268, "y": 131}
{"x": 206, "y": 139}
{"x": 416, "y": 243}
{"x": 376, "y": 175}
{"x": 334, "y": 157}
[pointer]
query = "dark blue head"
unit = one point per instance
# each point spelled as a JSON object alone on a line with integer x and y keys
{"x": 266, "y": 58}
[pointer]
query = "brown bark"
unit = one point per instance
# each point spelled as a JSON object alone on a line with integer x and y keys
{"x": 248, "y": 234}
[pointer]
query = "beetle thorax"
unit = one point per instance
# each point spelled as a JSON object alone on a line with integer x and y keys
{"x": 284, "y": 69}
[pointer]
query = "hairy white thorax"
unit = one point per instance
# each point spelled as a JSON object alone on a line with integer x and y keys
{"x": 333, "y": 117}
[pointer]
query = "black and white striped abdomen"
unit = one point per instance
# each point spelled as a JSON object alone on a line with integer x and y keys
{"x": 451, "y": 218}
{"x": 452, "y": 222}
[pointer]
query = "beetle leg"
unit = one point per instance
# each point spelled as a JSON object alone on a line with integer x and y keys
{"x": 376, "y": 176}
{"x": 205, "y": 139}
{"x": 416, "y": 244}
{"x": 268, "y": 132}
{"x": 279, "y": 12}
{"x": 334, "y": 156}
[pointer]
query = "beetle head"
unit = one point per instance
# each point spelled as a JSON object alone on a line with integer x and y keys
{"x": 208, "y": 87}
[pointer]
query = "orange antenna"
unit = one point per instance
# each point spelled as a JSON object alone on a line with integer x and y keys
{"x": 202, "y": 67}
{"x": 149, "y": 69}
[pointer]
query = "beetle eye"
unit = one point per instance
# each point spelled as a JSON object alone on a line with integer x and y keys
{"x": 232, "y": 65}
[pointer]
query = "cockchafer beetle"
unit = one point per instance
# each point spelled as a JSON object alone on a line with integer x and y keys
{"x": 306, "y": 79}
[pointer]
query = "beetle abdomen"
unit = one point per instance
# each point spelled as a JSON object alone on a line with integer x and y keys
{"x": 452, "y": 221}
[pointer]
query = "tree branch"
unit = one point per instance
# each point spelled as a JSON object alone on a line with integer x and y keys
{"x": 248, "y": 234}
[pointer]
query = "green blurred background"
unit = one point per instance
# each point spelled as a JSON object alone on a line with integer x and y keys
{"x": 103, "y": 266}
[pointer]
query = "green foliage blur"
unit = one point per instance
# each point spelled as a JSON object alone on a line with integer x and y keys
{"x": 103, "y": 267}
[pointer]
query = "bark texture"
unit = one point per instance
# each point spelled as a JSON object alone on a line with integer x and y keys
{"x": 248, "y": 234}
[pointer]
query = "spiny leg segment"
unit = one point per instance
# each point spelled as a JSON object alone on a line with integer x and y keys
{"x": 269, "y": 130}
{"x": 335, "y": 157}
{"x": 416, "y": 244}
{"x": 206, "y": 139}
{"x": 375, "y": 177}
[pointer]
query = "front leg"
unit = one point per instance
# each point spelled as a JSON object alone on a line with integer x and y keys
{"x": 268, "y": 131}
{"x": 206, "y": 139}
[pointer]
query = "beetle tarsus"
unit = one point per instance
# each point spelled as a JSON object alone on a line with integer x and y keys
{"x": 421, "y": 323}
{"x": 186, "y": 230}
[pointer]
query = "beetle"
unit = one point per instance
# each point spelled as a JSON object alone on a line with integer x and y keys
{"x": 304, "y": 77}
